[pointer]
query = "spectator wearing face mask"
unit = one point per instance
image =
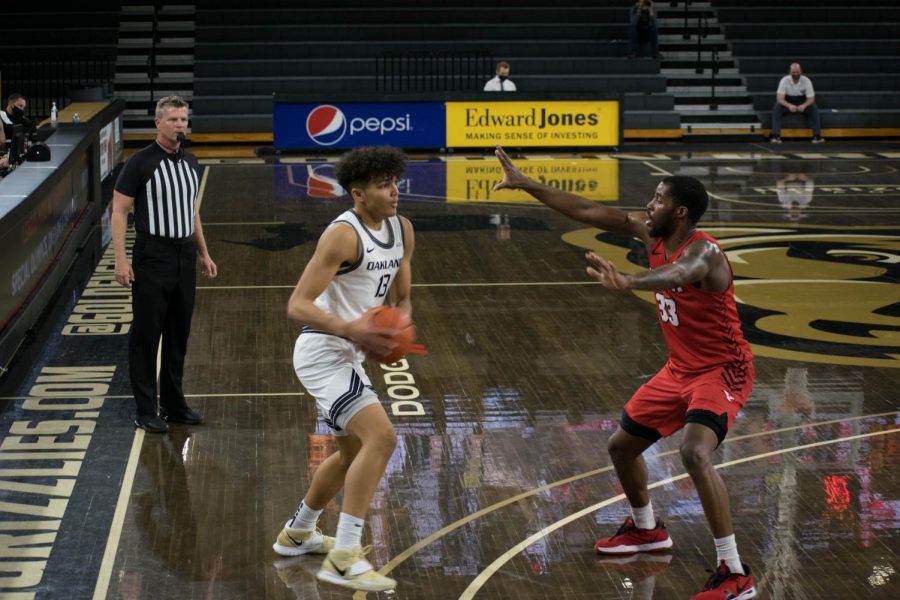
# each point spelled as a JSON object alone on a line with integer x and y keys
{"x": 15, "y": 115}
{"x": 795, "y": 94}
{"x": 501, "y": 82}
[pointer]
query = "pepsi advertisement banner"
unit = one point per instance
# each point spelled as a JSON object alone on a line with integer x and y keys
{"x": 352, "y": 124}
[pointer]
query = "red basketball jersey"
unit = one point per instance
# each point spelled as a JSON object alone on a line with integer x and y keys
{"x": 702, "y": 329}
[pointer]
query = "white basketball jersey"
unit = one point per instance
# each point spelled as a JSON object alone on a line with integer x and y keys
{"x": 364, "y": 284}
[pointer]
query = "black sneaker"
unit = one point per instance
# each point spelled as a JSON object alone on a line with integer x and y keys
{"x": 151, "y": 424}
{"x": 185, "y": 416}
{"x": 818, "y": 139}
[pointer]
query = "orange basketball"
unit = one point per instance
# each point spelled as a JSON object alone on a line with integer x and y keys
{"x": 389, "y": 317}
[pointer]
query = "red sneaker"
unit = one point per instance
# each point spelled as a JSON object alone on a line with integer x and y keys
{"x": 629, "y": 539}
{"x": 725, "y": 585}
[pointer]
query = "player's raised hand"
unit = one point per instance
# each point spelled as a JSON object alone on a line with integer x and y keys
{"x": 605, "y": 272}
{"x": 513, "y": 179}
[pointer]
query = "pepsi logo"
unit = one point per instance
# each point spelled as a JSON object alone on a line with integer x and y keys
{"x": 326, "y": 125}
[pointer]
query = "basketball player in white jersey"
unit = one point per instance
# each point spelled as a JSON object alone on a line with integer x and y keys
{"x": 362, "y": 260}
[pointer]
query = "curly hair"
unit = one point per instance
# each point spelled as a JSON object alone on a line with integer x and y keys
{"x": 362, "y": 165}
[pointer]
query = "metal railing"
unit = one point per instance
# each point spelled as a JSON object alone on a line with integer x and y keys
{"x": 152, "y": 69}
{"x": 703, "y": 30}
{"x": 432, "y": 71}
{"x": 44, "y": 81}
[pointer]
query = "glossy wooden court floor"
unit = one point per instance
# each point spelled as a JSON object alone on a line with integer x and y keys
{"x": 501, "y": 482}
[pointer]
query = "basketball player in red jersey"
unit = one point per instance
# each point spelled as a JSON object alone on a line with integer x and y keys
{"x": 707, "y": 378}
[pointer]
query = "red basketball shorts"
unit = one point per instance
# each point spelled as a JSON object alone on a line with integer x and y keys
{"x": 673, "y": 398}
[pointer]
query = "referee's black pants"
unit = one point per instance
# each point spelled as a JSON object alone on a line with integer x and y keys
{"x": 162, "y": 301}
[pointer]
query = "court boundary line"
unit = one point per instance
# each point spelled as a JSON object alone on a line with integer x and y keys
{"x": 528, "y": 283}
{"x": 498, "y": 563}
{"x": 405, "y": 554}
{"x": 101, "y": 588}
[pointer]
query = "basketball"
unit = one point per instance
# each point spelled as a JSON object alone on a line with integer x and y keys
{"x": 389, "y": 317}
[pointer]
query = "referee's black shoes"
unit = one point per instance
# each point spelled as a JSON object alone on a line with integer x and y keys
{"x": 185, "y": 416}
{"x": 152, "y": 424}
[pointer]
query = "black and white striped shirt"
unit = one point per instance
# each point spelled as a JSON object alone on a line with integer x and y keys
{"x": 164, "y": 187}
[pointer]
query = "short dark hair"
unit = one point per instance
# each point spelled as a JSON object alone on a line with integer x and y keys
{"x": 361, "y": 165}
{"x": 14, "y": 97}
{"x": 690, "y": 193}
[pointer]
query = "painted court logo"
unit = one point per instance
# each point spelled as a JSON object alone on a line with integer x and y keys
{"x": 326, "y": 125}
{"x": 812, "y": 293}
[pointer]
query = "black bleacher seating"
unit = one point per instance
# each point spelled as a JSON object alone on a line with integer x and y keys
{"x": 245, "y": 54}
{"x": 851, "y": 52}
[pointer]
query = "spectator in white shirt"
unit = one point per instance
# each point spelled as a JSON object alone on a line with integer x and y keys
{"x": 501, "y": 82}
{"x": 796, "y": 95}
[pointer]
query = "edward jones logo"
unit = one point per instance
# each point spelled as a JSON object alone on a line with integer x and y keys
{"x": 326, "y": 125}
{"x": 535, "y": 123}
{"x": 534, "y": 118}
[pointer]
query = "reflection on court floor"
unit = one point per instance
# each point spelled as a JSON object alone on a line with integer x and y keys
{"x": 501, "y": 482}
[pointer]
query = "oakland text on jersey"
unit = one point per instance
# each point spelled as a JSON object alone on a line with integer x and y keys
{"x": 383, "y": 264}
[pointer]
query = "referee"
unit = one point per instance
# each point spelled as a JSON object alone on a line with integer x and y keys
{"x": 161, "y": 183}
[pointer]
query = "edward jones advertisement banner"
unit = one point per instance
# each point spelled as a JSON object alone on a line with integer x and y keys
{"x": 473, "y": 180}
{"x": 533, "y": 123}
{"x": 352, "y": 124}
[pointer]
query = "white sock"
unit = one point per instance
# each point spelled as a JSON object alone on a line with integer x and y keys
{"x": 349, "y": 532}
{"x": 643, "y": 516}
{"x": 726, "y": 549}
{"x": 305, "y": 518}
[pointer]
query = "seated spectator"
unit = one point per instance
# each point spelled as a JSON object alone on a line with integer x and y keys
{"x": 15, "y": 115}
{"x": 501, "y": 82}
{"x": 796, "y": 95}
{"x": 642, "y": 27}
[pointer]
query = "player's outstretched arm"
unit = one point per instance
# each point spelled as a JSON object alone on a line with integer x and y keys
{"x": 337, "y": 246}
{"x": 572, "y": 205}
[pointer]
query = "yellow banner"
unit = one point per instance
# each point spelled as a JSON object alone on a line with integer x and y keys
{"x": 473, "y": 181}
{"x": 533, "y": 123}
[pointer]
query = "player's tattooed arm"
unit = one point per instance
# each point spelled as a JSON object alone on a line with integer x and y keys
{"x": 692, "y": 267}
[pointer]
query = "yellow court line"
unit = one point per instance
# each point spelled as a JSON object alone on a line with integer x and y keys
{"x": 202, "y": 189}
{"x": 492, "y": 568}
{"x": 115, "y": 532}
{"x": 402, "y": 556}
{"x": 660, "y": 170}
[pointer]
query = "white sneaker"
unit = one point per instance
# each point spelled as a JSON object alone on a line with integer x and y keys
{"x": 352, "y": 570}
{"x": 294, "y": 542}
